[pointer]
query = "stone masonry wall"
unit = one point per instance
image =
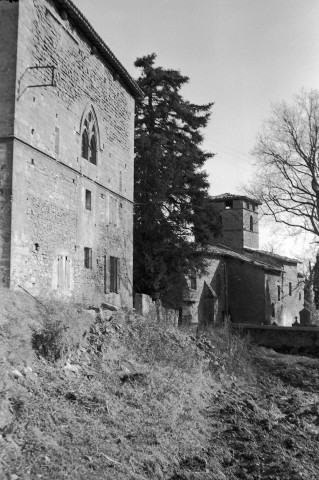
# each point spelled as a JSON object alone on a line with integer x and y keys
{"x": 50, "y": 219}
{"x": 246, "y": 292}
{"x": 8, "y": 42}
{"x": 205, "y": 305}
{"x": 235, "y": 225}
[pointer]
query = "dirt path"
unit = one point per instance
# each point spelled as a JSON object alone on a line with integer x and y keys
{"x": 271, "y": 430}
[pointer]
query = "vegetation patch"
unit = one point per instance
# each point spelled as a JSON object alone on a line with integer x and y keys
{"x": 126, "y": 397}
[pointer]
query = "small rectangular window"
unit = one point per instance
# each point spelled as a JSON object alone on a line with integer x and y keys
{"x": 290, "y": 288}
{"x": 278, "y": 292}
{"x": 115, "y": 274}
{"x": 88, "y": 200}
{"x": 228, "y": 204}
{"x": 87, "y": 257}
{"x": 218, "y": 284}
{"x": 299, "y": 295}
{"x": 193, "y": 280}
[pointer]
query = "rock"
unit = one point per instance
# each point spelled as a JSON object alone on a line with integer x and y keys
{"x": 27, "y": 370}
{"x": 71, "y": 368}
{"x": 133, "y": 377}
{"x": 16, "y": 373}
{"x": 5, "y": 414}
{"x": 95, "y": 309}
{"x": 109, "y": 306}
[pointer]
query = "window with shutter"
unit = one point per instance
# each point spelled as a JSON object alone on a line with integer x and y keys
{"x": 87, "y": 257}
{"x": 115, "y": 267}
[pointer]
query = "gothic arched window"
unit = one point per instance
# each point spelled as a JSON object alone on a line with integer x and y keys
{"x": 93, "y": 150}
{"x": 89, "y": 139}
{"x": 251, "y": 223}
{"x": 85, "y": 145}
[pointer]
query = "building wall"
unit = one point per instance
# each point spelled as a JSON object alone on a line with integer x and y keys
{"x": 235, "y": 224}
{"x": 205, "y": 305}
{"x": 50, "y": 220}
{"x": 246, "y": 292}
{"x": 284, "y": 311}
{"x": 8, "y": 42}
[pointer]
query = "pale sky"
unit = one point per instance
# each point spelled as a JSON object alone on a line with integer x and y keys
{"x": 241, "y": 54}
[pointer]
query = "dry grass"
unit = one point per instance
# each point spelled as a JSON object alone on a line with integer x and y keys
{"x": 131, "y": 398}
{"x": 121, "y": 399}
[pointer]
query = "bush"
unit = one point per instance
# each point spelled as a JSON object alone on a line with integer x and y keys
{"x": 157, "y": 342}
{"x": 64, "y": 329}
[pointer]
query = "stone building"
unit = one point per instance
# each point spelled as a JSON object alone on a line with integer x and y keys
{"x": 66, "y": 155}
{"x": 249, "y": 285}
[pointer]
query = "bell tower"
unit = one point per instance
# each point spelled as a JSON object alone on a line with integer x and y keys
{"x": 238, "y": 217}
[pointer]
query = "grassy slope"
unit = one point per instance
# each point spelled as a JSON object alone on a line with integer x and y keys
{"x": 126, "y": 398}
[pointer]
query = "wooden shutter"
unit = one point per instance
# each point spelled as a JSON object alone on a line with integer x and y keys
{"x": 106, "y": 275}
{"x": 67, "y": 273}
{"x": 112, "y": 274}
{"x": 118, "y": 274}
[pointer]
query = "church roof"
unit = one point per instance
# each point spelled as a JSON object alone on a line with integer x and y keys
{"x": 271, "y": 256}
{"x": 224, "y": 251}
{"x": 230, "y": 196}
{"x": 102, "y": 48}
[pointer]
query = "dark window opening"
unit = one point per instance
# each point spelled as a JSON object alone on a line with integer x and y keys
{"x": 218, "y": 284}
{"x": 89, "y": 139}
{"x": 93, "y": 150}
{"x": 254, "y": 207}
{"x": 228, "y": 204}
{"x": 114, "y": 274}
{"x": 88, "y": 200}
{"x": 299, "y": 295}
{"x": 247, "y": 205}
{"x": 273, "y": 310}
{"x": 87, "y": 257}
{"x": 251, "y": 223}
{"x": 85, "y": 145}
{"x": 290, "y": 288}
{"x": 278, "y": 292}
{"x": 193, "y": 280}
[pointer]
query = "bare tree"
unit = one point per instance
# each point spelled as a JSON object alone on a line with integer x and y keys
{"x": 287, "y": 156}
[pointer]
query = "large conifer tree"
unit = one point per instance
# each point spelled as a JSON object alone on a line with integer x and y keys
{"x": 171, "y": 189}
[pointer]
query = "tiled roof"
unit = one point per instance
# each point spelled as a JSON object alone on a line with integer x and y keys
{"x": 105, "y": 52}
{"x": 228, "y": 252}
{"x": 271, "y": 255}
{"x": 230, "y": 196}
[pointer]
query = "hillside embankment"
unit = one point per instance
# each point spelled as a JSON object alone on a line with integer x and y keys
{"x": 120, "y": 396}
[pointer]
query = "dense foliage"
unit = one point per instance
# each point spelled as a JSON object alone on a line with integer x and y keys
{"x": 171, "y": 189}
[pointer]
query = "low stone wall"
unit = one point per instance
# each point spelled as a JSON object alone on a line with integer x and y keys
{"x": 303, "y": 340}
{"x": 144, "y": 305}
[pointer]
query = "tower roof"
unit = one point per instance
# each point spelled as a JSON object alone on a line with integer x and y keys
{"x": 230, "y": 196}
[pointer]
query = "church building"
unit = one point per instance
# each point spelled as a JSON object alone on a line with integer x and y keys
{"x": 242, "y": 282}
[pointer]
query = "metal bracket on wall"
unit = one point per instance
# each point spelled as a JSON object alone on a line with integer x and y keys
{"x": 51, "y": 77}
{"x": 41, "y": 76}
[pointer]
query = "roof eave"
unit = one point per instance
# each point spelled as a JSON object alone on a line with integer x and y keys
{"x": 96, "y": 41}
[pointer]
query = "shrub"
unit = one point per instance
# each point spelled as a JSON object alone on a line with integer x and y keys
{"x": 64, "y": 329}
